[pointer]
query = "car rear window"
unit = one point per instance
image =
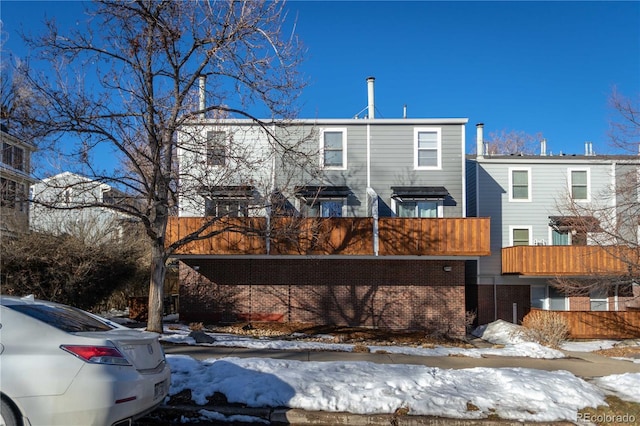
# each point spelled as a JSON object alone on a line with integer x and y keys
{"x": 64, "y": 318}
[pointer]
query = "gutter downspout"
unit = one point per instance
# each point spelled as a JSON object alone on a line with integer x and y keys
{"x": 271, "y": 190}
{"x": 371, "y": 194}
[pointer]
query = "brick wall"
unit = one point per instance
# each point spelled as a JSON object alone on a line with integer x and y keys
{"x": 396, "y": 294}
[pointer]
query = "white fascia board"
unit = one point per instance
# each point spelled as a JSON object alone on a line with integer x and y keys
{"x": 548, "y": 160}
{"x": 333, "y": 121}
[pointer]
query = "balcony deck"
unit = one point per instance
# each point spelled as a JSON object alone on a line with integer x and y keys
{"x": 331, "y": 236}
{"x": 567, "y": 260}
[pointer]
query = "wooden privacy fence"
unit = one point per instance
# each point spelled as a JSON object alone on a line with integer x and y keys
{"x": 599, "y": 324}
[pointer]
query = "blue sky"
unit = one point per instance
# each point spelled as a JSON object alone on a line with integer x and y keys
{"x": 541, "y": 66}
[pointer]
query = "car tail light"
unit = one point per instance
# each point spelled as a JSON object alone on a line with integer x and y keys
{"x": 97, "y": 354}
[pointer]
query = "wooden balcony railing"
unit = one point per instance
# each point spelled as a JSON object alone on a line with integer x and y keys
{"x": 332, "y": 236}
{"x": 567, "y": 260}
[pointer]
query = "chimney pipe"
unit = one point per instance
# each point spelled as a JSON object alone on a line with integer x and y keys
{"x": 543, "y": 147}
{"x": 479, "y": 140}
{"x": 202, "y": 80}
{"x": 371, "y": 106}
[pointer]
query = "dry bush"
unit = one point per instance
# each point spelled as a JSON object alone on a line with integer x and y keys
{"x": 547, "y": 328}
{"x": 65, "y": 269}
{"x": 469, "y": 320}
{"x": 196, "y": 326}
{"x": 361, "y": 347}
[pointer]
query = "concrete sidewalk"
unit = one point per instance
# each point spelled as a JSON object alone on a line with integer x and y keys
{"x": 582, "y": 364}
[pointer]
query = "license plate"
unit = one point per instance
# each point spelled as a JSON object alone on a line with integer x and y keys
{"x": 159, "y": 390}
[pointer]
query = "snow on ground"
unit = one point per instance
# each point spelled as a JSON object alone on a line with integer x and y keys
{"x": 366, "y": 388}
{"x": 625, "y": 386}
{"x": 517, "y": 348}
{"x": 588, "y": 345}
{"x": 362, "y": 387}
{"x": 500, "y": 333}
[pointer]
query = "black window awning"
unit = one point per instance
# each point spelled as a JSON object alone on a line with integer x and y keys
{"x": 419, "y": 192}
{"x": 313, "y": 192}
{"x": 238, "y": 192}
{"x": 577, "y": 223}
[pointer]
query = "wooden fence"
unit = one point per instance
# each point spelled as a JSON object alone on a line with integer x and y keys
{"x": 600, "y": 324}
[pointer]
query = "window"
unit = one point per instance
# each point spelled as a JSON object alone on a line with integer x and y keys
{"x": 9, "y": 194}
{"x": 572, "y": 230}
{"x": 216, "y": 148}
{"x": 418, "y": 201}
{"x": 548, "y": 298}
{"x": 333, "y": 148}
{"x": 579, "y": 184}
{"x": 559, "y": 238}
{"x": 228, "y": 201}
{"x": 322, "y": 201}
{"x": 226, "y": 208}
{"x": 520, "y": 236}
{"x": 417, "y": 208}
{"x": 324, "y": 208}
{"x": 427, "y": 148}
{"x": 520, "y": 185}
{"x": 18, "y": 158}
{"x": 7, "y": 154}
{"x": 557, "y": 300}
{"x": 598, "y": 300}
{"x": 63, "y": 318}
{"x": 538, "y": 296}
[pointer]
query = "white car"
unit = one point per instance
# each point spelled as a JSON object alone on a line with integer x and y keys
{"x": 63, "y": 366}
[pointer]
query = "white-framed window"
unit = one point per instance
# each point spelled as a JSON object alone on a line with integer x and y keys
{"x": 520, "y": 184}
{"x": 520, "y": 235}
{"x": 333, "y": 149}
{"x": 579, "y": 184}
{"x": 418, "y": 208}
{"x": 427, "y": 148}
{"x": 216, "y": 148}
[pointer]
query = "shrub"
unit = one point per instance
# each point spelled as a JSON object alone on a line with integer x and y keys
{"x": 545, "y": 327}
{"x": 66, "y": 269}
{"x": 196, "y": 326}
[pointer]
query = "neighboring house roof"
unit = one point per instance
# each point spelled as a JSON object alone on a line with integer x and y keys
{"x": 556, "y": 158}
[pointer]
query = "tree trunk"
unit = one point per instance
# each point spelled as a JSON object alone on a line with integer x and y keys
{"x": 156, "y": 288}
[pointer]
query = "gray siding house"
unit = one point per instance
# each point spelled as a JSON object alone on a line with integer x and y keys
{"x": 550, "y": 218}
{"x": 373, "y": 210}
{"x": 68, "y": 203}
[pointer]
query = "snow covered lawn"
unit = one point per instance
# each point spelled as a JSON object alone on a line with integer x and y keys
{"x": 363, "y": 387}
{"x": 366, "y": 388}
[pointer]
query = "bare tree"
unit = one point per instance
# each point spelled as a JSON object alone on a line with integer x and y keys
{"x": 612, "y": 219}
{"x": 512, "y": 142}
{"x": 125, "y": 85}
{"x": 624, "y": 127}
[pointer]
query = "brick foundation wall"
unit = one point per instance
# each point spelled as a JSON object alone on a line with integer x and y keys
{"x": 394, "y": 294}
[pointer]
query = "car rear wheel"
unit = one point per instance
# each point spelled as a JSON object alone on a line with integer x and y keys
{"x": 8, "y": 415}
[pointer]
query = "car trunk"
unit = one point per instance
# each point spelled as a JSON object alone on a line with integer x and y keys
{"x": 141, "y": 349}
